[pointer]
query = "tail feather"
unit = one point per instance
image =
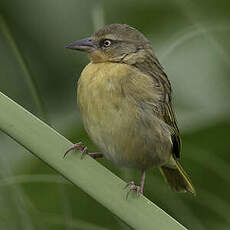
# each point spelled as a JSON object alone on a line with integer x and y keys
{"x": 177, "y": 178}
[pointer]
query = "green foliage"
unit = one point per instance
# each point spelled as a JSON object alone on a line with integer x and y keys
{"x": 108, "y": 189}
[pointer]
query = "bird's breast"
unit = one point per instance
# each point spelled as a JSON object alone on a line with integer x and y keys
{"x": 113, "y": 117}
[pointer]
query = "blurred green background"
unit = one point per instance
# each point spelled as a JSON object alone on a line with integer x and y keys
{"x": 191, "y": 40}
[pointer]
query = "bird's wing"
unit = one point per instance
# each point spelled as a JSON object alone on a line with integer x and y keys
{"x": 168, "y": 113}
{"x": 165, "y": 110}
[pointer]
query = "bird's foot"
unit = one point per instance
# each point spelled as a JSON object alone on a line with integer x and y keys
{"x": 132, "y": 187}
{"x": 84, "y": 151}
{"x": 78, "y": 146}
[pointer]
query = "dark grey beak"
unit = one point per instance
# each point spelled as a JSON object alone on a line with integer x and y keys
{"x": 82, "y": 45}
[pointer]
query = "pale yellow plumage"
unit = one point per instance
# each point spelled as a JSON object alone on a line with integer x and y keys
{"x": 109, "y": 98}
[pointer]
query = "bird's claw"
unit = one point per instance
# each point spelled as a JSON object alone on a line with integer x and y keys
{"x": 84, "y": 152}
{"x": 133, "y": 187}
{"x": 78, "y": 146}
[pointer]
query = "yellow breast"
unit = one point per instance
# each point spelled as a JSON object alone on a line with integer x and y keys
{"x": 109, "y": 99}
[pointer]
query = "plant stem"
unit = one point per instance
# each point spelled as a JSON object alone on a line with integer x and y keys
{"x": 88, "y": 174}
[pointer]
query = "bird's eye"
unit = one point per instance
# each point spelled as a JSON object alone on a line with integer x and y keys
{"x": 107, "y": 43}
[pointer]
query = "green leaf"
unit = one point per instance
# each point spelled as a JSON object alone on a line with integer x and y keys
{"x": 29, "y": 79}
{"x": 88, "y": 174}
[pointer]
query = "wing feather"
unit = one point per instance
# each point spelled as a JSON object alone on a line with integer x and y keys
{"x": 152, "y": 67}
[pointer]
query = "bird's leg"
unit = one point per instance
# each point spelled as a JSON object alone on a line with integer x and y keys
{"x": 84, "y": 150}
{"x": 139, "y": 189}
{"x": 142, "y": 181}
{"x": 96, "y": 155}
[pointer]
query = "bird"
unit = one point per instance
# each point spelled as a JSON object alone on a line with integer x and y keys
{"x": 125, "y": 101}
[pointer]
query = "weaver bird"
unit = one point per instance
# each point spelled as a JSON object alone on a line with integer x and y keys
{"x": 125, "y": 101}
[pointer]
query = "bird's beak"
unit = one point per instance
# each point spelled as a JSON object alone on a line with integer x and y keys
{"x": 82, "y": 45}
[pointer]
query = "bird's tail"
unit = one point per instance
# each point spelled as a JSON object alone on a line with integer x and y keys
{"x": 177, "y": 178}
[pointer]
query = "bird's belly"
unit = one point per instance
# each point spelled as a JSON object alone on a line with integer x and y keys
{"x": 115, "y": 124}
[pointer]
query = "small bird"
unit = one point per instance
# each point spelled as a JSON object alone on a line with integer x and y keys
{"x": 125, "y": 100}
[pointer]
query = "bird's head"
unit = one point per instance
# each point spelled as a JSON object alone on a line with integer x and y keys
{"x": 114, "y": 43}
